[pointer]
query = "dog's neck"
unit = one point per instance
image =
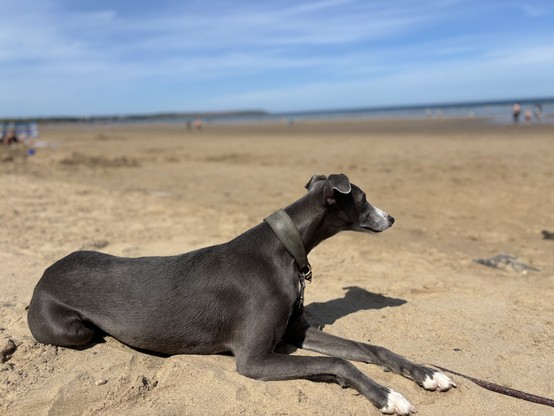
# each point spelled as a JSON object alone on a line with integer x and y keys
{"x": 309, "y": 219}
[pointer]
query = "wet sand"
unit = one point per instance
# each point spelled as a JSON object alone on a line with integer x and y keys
{"x": 459, "y": 190}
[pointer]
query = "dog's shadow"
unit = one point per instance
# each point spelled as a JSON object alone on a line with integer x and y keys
{"x": 355, "y": 299}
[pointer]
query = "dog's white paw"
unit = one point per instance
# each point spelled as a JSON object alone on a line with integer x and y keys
{"x": 438, "y": 382}
{"x": 397, "y": 404}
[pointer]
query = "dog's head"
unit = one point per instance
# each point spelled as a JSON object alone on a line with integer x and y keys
{"x": 348, "y": 204}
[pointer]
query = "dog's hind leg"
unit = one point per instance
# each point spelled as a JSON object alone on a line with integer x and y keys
{"x": 52, "y": 323}
{"x": 301, "y": 334}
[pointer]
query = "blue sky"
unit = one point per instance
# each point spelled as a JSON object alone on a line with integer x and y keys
{"x": 78, "y": 57}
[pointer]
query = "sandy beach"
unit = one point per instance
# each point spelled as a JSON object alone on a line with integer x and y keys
{"x": 460, "y": 190}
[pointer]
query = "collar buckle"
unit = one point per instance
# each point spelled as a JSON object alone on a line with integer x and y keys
{"x": 306, "y": 273}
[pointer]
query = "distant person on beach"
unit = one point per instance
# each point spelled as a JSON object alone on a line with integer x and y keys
{"x": 10, "y": 137}
{"x": 516, "y": 111}
{"x": 198, "y": 124}
{"x": 538, "y": 112}
{"x": 528, "y": 115}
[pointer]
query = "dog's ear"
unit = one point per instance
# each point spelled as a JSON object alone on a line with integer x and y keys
{"x": 336, "y": 183}
{"x": 314, "y": 180}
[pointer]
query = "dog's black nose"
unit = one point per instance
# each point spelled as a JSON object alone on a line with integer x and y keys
{"x": 391, "y": 220}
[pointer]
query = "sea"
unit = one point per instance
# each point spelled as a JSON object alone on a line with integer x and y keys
{"x": 496, "y": 112}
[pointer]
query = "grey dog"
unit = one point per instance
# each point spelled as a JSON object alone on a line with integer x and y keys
{"x": 243, "y": 297}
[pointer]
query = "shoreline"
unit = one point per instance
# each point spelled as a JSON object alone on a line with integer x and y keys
{"x": 348, "y": 125}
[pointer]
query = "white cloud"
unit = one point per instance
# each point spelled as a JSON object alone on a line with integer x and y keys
{"x": 439, "y": 83}
{"x": 534, "y": 11}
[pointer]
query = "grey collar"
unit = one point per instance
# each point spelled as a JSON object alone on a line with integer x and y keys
{"x": 288, "y": 234}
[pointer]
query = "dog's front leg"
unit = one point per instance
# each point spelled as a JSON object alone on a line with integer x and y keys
{"x": 274, "y": 366}
{"x": 301, "y": 334}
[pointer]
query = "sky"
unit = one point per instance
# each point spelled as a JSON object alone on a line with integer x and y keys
{"x": 101, "y": 57}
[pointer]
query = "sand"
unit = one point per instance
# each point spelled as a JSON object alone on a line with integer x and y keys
{"x": 459, "y": 190}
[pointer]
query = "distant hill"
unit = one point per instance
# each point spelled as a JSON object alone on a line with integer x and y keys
{"x": 142, "y": 117}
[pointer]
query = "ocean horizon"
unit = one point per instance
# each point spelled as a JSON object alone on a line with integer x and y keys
{"x": 495, "y": 111}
